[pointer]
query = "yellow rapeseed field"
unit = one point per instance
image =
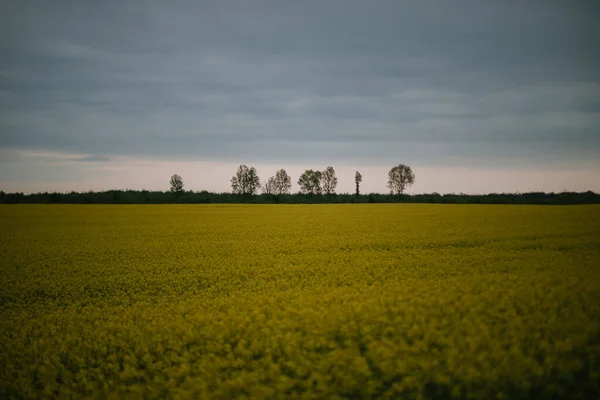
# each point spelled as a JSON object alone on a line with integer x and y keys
{"x": 299, "y": 301}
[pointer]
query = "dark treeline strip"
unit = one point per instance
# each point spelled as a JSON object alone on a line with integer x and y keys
{"x": 204, "y": 197}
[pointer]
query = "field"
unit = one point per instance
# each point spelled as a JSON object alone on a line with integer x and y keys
{"x": 300, "y": 301}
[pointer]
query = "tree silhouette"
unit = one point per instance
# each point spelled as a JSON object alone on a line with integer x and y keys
{"x": 176, "y": 183}
{"x": 399, "y": 178}
{"x": 357, "y": 180}
{"x": 283, "y": 182}
{"x": 328, "y": 181}
{"x": 278, "y": 185}
{"x": 310, "y": 182}
{"x": 269, "y": 186}
{"x": 246, "y": 181}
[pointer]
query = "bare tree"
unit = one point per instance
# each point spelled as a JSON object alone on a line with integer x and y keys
{"x": 357, "y": 180}
{"x": 310, "y": 182}
{"x": 399, "y": 178}
{"x": 176, "y": 183}
{"x": 245, "y": 181}
{"x": 328, "y": 181}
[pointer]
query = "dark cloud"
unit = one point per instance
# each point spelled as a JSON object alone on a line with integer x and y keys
{"x": 466, "y": 82}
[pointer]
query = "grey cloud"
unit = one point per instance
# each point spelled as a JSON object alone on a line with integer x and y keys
{"x": 94, "y": 158}
{"x": 379, "y": 81}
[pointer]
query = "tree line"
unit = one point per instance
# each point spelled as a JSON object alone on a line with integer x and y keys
{"x": 206, "y": 197}
{"x": 315, "y": 187}
{"x": 246, "y": 183}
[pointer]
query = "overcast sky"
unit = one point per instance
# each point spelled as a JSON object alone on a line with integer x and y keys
{"x": 476, "y": 96}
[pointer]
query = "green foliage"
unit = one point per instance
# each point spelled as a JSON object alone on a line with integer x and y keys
{"x": 357, "y": 180}
{"x": 279, "y": 184}
{"x": 399, "y": 178}
{"x": 371, "y": 302}
{"x": 176, "y": 183}
{"x": 204, "y": 197}
{"x": 246, "y": 181}
{"x": 310, "y": 182}
{"x": 328, "y": 181}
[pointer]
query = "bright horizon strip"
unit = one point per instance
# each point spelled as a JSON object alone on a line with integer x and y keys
{"x": 122, "y": 173}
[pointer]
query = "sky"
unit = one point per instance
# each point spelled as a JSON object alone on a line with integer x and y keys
{"x": 476, "y": 96}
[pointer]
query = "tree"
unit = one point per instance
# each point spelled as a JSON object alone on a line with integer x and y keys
{"x": 176, "y": 185}
{"x": 282, "y": 183}
{"x": 399, "y": 178}
{"x": 279, "y": 184}
{"x": 328, "y": 181}
{"x": 358, "y": 180}
{"x": 269, "y": 186}
{"x": 310, "y": 182}
{"x": 245, "y": 181}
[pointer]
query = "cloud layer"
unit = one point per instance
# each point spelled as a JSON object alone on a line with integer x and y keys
{"x": 468, "y": 84}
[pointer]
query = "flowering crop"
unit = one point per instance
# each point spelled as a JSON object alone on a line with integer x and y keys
{"x": 300, "y": 301}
